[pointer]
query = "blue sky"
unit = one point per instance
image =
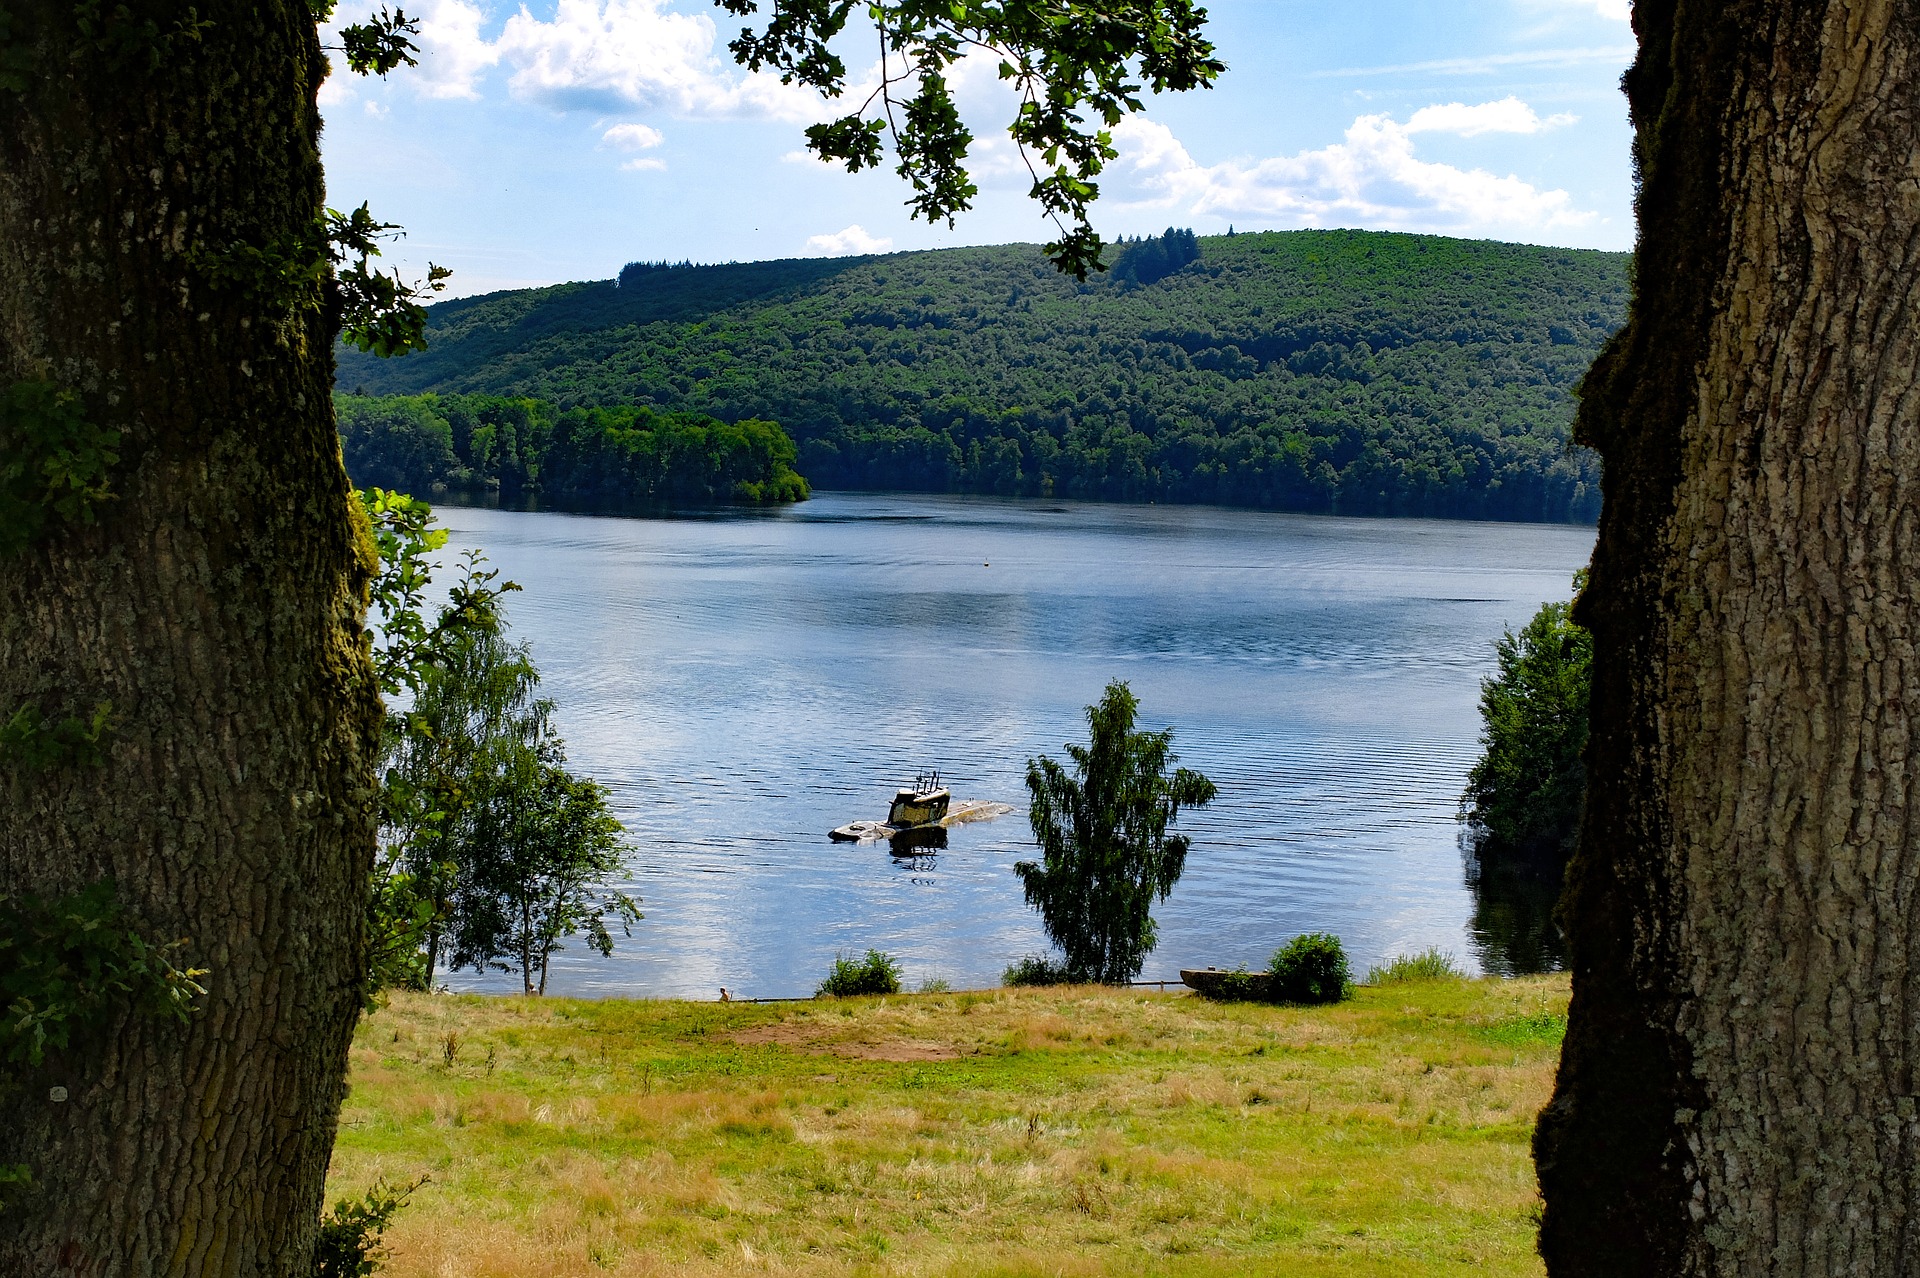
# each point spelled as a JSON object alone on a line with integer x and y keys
{"x": 555, "y": 140}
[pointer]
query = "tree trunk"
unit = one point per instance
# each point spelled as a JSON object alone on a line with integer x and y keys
{"x": 526, "y": 952}
{"x": 216, "y": 604}
{"x": 1736, "y": 1090}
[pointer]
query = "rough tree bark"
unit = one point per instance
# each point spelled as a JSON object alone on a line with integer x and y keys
{"x": 216, "y": 604}
{"x": 1736, "y": 1093}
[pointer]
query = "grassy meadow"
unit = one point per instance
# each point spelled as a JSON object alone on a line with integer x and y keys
{"x": 1074, "y": 1131}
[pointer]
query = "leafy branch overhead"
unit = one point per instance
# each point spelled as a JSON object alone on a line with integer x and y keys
{"x": 1078, "y": 69}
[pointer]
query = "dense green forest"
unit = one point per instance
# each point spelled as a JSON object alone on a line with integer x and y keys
{"x": 578, "y": 458}
{"x": 1351, "y": 371}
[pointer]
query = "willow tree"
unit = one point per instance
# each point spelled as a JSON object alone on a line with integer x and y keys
{"x": 188, "y": 712}
{"x": 1736, "y": 1093}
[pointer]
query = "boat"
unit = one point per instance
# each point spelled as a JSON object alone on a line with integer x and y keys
{"x": 919, "y": 817}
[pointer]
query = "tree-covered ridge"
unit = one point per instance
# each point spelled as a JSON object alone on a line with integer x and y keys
{"x": 1351, "y": 371}
{"x": 579, "y": 458}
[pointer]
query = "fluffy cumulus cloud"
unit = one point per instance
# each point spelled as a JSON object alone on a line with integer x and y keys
{"x": 453, "y": 53}
{"x": 1371, "y": 177}
{"x": 636, "y": 137}
{"x": 852, "y": 240}
{"x": 599, "y": 55}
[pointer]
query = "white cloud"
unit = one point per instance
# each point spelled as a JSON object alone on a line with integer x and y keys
{"x": 633, "y": 137}
{"x": 599, "y": 55}
{"x": 1508, "y": 115}
{"x": 1370, "y": 178}
{"x": 852, "y": 240}
{"x": 645, "y": 166}
{"x": 635, "y": 53}
{"x": 453, "y": 54}
{"x": 1484, "y": 63}
{"x": 1619, "y": 10}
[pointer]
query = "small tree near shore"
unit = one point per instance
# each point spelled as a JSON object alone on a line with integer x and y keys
{"x": 1107, "y": 855}
{"x": 538, "y": 876}
{"x": 1526, "y": 793}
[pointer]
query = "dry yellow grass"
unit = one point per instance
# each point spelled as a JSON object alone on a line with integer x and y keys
{"x": 1018, "y": 1132}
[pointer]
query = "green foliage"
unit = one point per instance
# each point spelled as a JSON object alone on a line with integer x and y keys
{"x": 379, "y": 313}
{"x": 583, "y": 458}
{"x": 476, "y": 712}
{"x": 1310, "y": 969}
{"x": 330, "y": 264}
{"x": 32, "y": 740}
{"x": 1148, "y": 261}
{"x": 536, "y": 872}
{"x": 430, "y": 745}
{"x": 66, "y": 964}
{"x": 1526, "y": 792}
{"x": 405, "y": 643}
{"x": 16, "y": 1182}
{"x": 1351, "y": 372}
{"x": 348, "y": 1244}
{"x": 1106, "y": 854}
{"x": 1073, "y": 66}
{"x": 380, "y": 45}
{"x": 1036, "y": 969}
{"x": 1413, "y": 969}
{"x": 53, "y": 462}
{"x": 877, "y": 973}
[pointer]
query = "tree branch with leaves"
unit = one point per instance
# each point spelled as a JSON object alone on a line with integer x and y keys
{"x": 1077, "y": 69}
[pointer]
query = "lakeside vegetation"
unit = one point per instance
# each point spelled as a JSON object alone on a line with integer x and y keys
{"x": 1338, "y": 371}
{"x": 514, "y": 450}
{"x": 1075, "y": 1130}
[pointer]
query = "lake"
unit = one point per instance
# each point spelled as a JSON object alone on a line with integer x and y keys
{"x": 745, "y": 681}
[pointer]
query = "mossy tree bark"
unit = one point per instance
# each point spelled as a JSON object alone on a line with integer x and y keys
{"x": 216, "y": 604}
{"x": 1736, "y": 1090}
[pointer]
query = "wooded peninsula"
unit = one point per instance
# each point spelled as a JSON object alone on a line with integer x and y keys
{"x": 1348, "y": 372}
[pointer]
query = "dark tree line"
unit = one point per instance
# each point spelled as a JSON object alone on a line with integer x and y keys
{"x": 583, "y": 458}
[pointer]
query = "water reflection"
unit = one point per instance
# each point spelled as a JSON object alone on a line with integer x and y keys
{"x": 1512, "y": 931}
{"x": 912, "y": 842}
{"x": 745, "y": 683}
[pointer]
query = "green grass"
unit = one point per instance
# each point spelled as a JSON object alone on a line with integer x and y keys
{"x": 1014, "y": 1132}
{"x": 1412, "y": 969}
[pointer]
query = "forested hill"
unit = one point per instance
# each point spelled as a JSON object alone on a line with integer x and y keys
{"x": 1351, "y": 371}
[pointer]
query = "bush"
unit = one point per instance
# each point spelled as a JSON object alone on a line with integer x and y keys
{"x": 936, "y": 985}
{"x": 348, "y": 1245}
{"x": 1036, "y": 969}
{"x": 1310, "y": 969}
{"x": 1414, "y": 969}
{"x": 877, "y": 973}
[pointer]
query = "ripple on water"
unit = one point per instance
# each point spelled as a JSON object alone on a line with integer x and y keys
{"x": 743, "y": 683}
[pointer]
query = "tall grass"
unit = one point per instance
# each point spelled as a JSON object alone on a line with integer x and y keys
{"x": 1080, "y": 1131}
{"x": 1413, "y": 969}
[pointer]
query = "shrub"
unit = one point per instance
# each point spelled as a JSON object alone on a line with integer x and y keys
{"x": 348, "y": 1245}
{"x": 1036, "y": 969}
{"x": 936, "y": 985}
{"x": 1412, "y": 969}
{"x": 877, "y": 973}
{"x": 1310, "y": 969}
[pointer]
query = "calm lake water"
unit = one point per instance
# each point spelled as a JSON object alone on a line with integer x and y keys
{"x": 746, "y": 681}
